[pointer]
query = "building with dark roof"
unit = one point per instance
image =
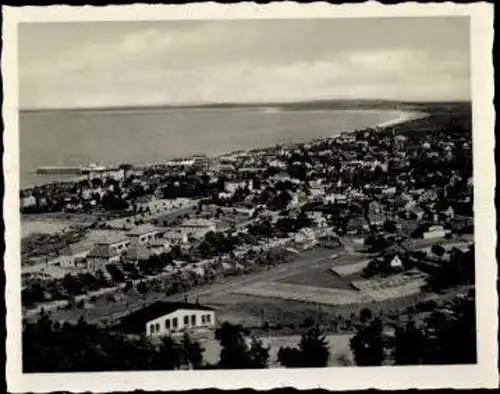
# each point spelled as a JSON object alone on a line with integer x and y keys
{"x": 169, "y": 318}
{"x": 102, "y": 254}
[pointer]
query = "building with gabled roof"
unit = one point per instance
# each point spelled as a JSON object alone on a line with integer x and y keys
{"x": 101, "y": 255}
{"x": 136, "y": 252}
{"x": 169, "y": 318}
{"x": 145, "y": 233}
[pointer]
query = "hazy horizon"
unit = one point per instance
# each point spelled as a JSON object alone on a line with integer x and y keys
{"x": 242, "y": 103}
{"x": 173, "y": 63}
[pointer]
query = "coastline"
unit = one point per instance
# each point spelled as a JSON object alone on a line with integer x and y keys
{"x": 403, "y": 116}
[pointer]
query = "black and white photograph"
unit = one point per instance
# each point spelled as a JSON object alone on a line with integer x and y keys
{"x": 273, "y": 194}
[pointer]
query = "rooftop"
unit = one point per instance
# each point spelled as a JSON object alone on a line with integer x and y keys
{"x": 103, "y": 251}
{"x": 137, "y": 251}
{"x": 197, "y": 223}
{"x": 143, "y": 229}
{"x": 136, "y": 321}
{"x": 106, "y": 236}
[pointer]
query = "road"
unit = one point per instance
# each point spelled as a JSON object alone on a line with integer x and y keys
{"x": 224, "y": 285}
{"x": 227, "y": 284}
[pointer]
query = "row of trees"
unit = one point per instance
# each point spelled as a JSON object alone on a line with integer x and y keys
{"x": 71, "y": 286}
{"x": 458, "y": 269}
{"x": 447, "y": 336}
{"x": 52, "y": 347}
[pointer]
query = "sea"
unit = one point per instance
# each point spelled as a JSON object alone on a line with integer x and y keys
{"x": 153, "y": 135}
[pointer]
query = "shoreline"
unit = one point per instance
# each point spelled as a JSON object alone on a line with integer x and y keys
{"x": 403, "y": 117}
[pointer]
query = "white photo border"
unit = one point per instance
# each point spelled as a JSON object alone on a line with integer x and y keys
{"x": 484, "y": 374}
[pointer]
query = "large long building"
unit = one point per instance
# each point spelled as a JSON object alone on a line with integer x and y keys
{"x": 169, "y": 318}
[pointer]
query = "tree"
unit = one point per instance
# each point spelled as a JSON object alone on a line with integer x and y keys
{"x": 446, "y": 328}
{"x": 312, "y": 351}
{"x": 367, "y": 344}
{"x": 193, "y": 352}
{"x": 438, "y": 250}
{"x": 365, "y": 315}
{"x": 235, "y": 353}
{"x": 81, "y": 347}
{"x": 125, "y": 168}
{"x": 409, "y": 345}
{"x": 259, "y": 354}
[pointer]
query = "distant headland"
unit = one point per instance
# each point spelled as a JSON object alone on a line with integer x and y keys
{"x": 338, "y": 104}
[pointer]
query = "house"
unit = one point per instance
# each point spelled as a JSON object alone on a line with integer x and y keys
{"x": 318, "y": 218}
{"x": 376, "y": 219}
{"x": 346, "y": 137}
{"x": 136, "y": 252}
{"x": 316, "y": 188}
{"x": 374, "y": 207}
{"x": 335, "y": 198}
{"x": 231, "y": 187}
{"x": 329, "y": 241}
{"x": 449, "y": 213}
{"x": 101, "y": 255}
{"x": 169, "y": 318}
{"x": 197, "y": 228}
{"x": 396, "y": 262}
{"x": 159, "y": 246}
{"x": 305, "y": 236}
{"x": 176, "y": 237}
{"x": 71, "y": 255}
{"x": 435, "y": 232}
{"x": 106, "y": 251}
{"x": 356, "y": 224}
{"x": 28, "y": 201}
{"x": 145, "y": 233}
{"x": 389, "y": 191}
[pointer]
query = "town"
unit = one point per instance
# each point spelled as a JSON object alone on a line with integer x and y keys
{"x": 365, "y": 235}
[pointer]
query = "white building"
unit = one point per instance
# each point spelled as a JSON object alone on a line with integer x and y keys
{"x": 28, "y": 201}
{"x": 346, "y": 137}
{"x": 435, "y": 232}
{"x": 396, "y": 262}
{"x": 169, "y": 318}
{"x": 305, "y": 236}
{"x": 175, "y": 237}
{"x": 231, "y": 187}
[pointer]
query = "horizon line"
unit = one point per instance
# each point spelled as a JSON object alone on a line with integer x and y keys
{"x": 238, "y": 103}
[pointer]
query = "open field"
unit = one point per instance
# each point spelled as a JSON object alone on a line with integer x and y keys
{"x": 248, "y": 308}
{"x": 42, "y": 227}
{"x": 107, "y": 310}
{"x": 349, "y": 269}
{"x": 319, "y": 277}
{"x": 318, "y": 295}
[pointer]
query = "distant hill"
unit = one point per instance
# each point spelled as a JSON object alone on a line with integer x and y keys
{"x": 287, "y": 106}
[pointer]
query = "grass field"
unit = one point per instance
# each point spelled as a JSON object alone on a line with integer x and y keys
{"x": 314, "y": 294}
{"x": 289, "y": 306}
{"x": 42, "y": 227}
{"x": 318, "y": 277}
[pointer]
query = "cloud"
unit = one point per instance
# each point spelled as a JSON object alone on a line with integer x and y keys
{"x": 216, "y": 62}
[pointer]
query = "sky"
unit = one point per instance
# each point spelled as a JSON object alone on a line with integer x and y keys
{"x": 86, "y": 64}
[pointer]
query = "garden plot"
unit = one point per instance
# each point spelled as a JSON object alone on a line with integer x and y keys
{"x": 395, "y": 286}
{"x": 312, "y": 294}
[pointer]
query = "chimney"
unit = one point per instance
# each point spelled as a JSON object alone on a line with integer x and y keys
{"x": 197, "y": 301}
{"x": 186, "y": 299}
